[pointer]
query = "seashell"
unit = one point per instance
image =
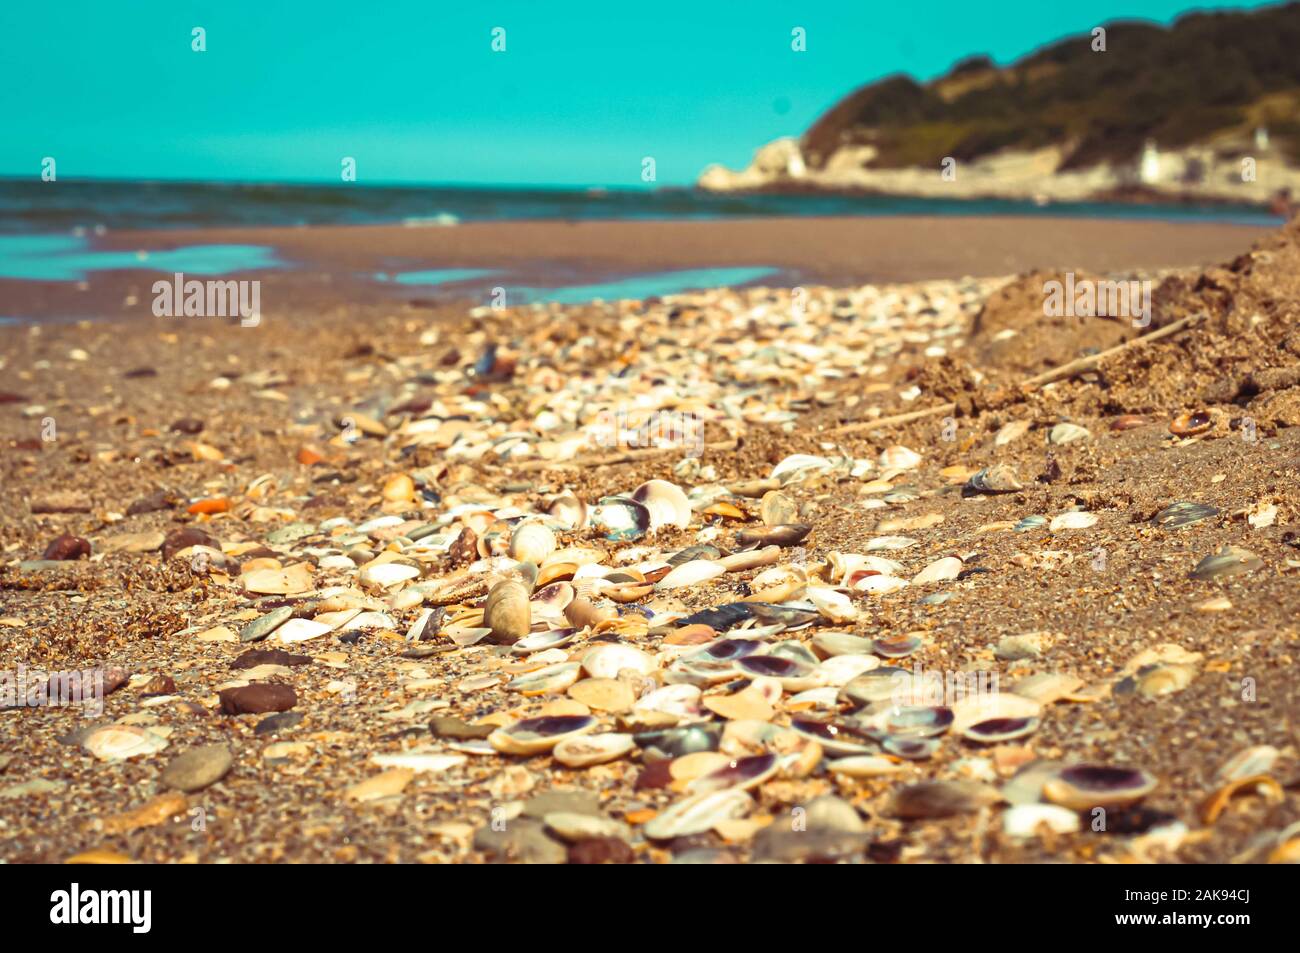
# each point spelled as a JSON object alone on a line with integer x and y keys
{"x": 838, "y": 738}
{"x": 825, "y": 698}
{"x": 301, "y": 630}
{"x": 691, "y": 574}
{"x": 1074, "y": 519}
{"x": 741, "y": 774}
{"x": 552, "y": 599}
{"x": 569, "y": 511}
{"x": 830, "y": 644}
{"x": 532, "y": 543}
{"x": 384, "y": 575}
{"x": 495, "y": 539}
{"x": 1030, "y": 820}
{"x": 899, "y": 458}
{"x": 419, "y": 761}
{"x": 1085, "y": 786}
{"x": 574, "y": 555}
{"x": 1047, "y": 687}
{"x": 730, "y": 650}
{"x": 680, "y": 700}
{"x": 1064, "y": 433}
{"x": 843, "y": 567}
{"x": 997, "y": 730}
{"x": 864, "y": 766}
{"x": 694, "y": 552}
{"x": 1189, "y": 425}
{"x": 912, "y": 721}
{"x": 1217, "y": 801}
{"x": 877, "y": 584}
{"x": 582, "y": 613}
{"x": 941, "y": 570}
{"x": 556, "y": 572}
{"x": 1255, "y": 760}
{"x": 1153, "y": 681}
{"x": 985, "y": 706}
{"x": 606, "y": 661}
{"x": 751, "y": 559}
{"x": 1127, "y": 422}
{"x": 749, "y": 704}
{"x": 833, "y": 605}
{"x": 666, "y": 503}
{"x": 996, "y": 479}
{"x": 676, "y": 742}
{"x": 541, "y": 641}
{"x": 1011, "y": 432}
{"x": 603, "y": 694}
{"x": 1029, "y": 523}
{"x": 630, "y": 626}
{"x": 897, "y": 646}
{"x": 1229, "y": 561}
{"x": 932, "y": 799}
{"x": 120, "y": 742}
{"x": 545, "y": 681}
{"x": 777, "y": 509}
{"x": 794, "y": 676}
{"x": 841, "y": 669}
{"x": 535, "y": 735}
{"x": 587, "y": 750}
{"x": 889, "y": 543}
{"x": 508, "y": 612}
{"x": 787, "y": 534}
{"x": 1183, "y": 513}
{"x": 367, "y": 621}
{"x": 724, "y": 510}
{"x": 886, "y": 683}
{"x": 620, "y": 519}
{"x": 910, "y": 749}
{"x": 795, "y": 468}
{"x": 698, "y": 813}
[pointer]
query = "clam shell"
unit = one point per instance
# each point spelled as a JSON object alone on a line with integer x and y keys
{"x": 680, "y": 700}
{"x": 569, "y": 511}
{"x": 1085, "y": 786}
{"x": 1029, "y": 820}
{"x": 699, "y": 551}
{"x": 742, "y": 774}
{"x": 698, "y": 813}
{"x": 836, "y": 738}
{"x": 830, "y": 644}
{"x": 666, "y": 503}
{"x": 1255, "y": 760}
{"x": 842, "y": 669}
{"x": 998, "y": 730}
{"x": 507, "y": 612}
{"x": 833, "y": 606}
{"x": 899, "y": 458}
{"x": 1191, "y": 424}
{"x": 300, "y": 630}
{"x": 981, "y": 707}
{"x": 532, "y": 543}
{"x": 620, "y": 519}
{"x": 911, "y": 749}
{"x": 889, "y": 543}
{"x": 691, "y": 574}
{"x": 587, "y": 750}
{"x": 546, "y": 681}
{"x": 1184, "y": 513}
{"x": 996, "y": 479}
{"x": 941, "y": 570}
{"x": 1064, "y": 433}
{"x": 606, "y": 661}
{"x": 119, "y": 742}
{"x": 541, "y": 641}
{"x": 787, "y": 534}
{"x": 794, "y": 676}
{"x": 864, "y": 766}
{"x": 385, "y": 575}
{"x": 535, "y": 735}
{"x": 794, "y": 468}
{"x": 1075, "y": 519}
{"x": 729, "y": 650}
{"x": 913, "y": 721}
{"x": 1229, "y": 561}
{"x": 777, "y": 508}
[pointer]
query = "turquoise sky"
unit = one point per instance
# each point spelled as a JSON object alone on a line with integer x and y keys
{"x": 414, "y": 92}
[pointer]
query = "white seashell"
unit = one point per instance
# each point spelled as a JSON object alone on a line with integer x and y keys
{"x": 383, "y": 575}
{"x": 532, "y": 543}
{"x": 844, "y": 565}
{"x": 380, "y": 522}
{"x": 879, "y": 585}
{"x": 834, "y": 606}
{"x": 577, "y": 555}
{"x": 300, "y": 630}
{"x": 889, "y": 543}
{"x": 691, "y": 574}
{"x": 1028, "y": 820}
{"x": 1067, "y": 433}
{"x": 864, "y": 766}
{"x": 699, "y": 813}
{"x": 899, "y": 458}
{"x": 680, "y": 700}
{"x": 941, "y": 570}
{"x": 978, "y": 707}
{"x": 419, "y": 762}
{"x": 1012, "y": 431}
{"x": 1075, "y": 519}
{"x": 369, "y": 620}
{"x": 839, "y": 669}
{"x": 587, "y": 750}
{"x": 825, "y": 698}
{"x": 606, "y": 661}
{"x": 799, "y": 466}
{"x": 548, "y": 680}
{"x": 119, "y": 742}
{"x": 666, "y": 502}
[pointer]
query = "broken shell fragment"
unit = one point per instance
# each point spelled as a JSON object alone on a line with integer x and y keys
{"x": 698, "y": 813}
{"x": 996, "y": 479}
{"x": 1229, "y": 561}
{"x": 1189, "y": 425}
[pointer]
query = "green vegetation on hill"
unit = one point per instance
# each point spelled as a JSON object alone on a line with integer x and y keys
{"x": 1209, "y": 78}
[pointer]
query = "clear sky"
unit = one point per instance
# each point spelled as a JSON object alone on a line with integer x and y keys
{"x": 413, "y": 90}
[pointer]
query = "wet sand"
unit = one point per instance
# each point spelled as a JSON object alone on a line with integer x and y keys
{"x": 329, "y": 262}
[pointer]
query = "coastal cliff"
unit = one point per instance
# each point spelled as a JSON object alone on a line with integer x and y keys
{"x": 1208, "y": 108}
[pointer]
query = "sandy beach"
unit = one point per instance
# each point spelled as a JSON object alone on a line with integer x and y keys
{"x": 329, "y": 503}
{"x": 327, "y": 265}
